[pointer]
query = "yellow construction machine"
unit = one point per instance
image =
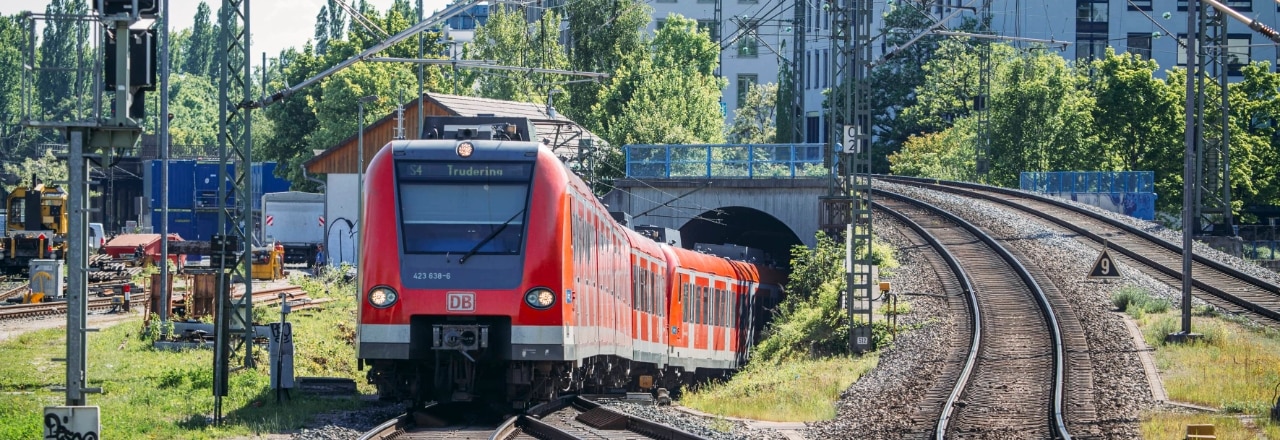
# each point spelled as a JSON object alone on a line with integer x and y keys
{"x": 268, "y": 262}
{"x": 35, "y": 226}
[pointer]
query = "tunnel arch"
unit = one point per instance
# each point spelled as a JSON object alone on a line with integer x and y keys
{"x": 742, "y": 226}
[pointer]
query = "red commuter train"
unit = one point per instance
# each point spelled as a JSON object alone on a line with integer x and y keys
{"x": 489, "y": 271}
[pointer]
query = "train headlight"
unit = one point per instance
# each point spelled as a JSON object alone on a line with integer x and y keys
{"x": 465, "y": 149}
{"x": 540, "y": 298}
{"x": 382, "y": 297}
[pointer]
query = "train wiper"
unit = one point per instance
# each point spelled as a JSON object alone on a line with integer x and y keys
{"x": 489, "y": 238}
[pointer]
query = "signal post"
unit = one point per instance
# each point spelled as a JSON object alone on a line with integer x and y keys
{"x": 128, "y": 46}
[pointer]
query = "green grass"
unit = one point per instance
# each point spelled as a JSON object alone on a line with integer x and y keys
{"x": 1166, "y": 425}
{"x": 162, "y": 394}
{"x": 796, "y": 391}
{"x": 1136, "y": 302}
{"x": 1233, "y": 368}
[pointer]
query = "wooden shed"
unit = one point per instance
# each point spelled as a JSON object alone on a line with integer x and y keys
{"x": 563, "y": 135}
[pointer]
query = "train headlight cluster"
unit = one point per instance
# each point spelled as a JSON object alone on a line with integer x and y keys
{"x": 382, "y": 297}
{"x": 540, "y": 298}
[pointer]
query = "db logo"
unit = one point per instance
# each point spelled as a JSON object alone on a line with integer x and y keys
{"x": 461, "y": 302}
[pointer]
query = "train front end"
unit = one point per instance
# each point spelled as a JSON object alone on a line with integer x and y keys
{"x": 459, "y": 265}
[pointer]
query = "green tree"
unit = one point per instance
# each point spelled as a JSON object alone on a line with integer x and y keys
{"x": 42, "y": 165}
{"x": 1255, "y": 122}
{"x": 12, "y": 42}
{"x": 947, "y": 155}
{"x": 603, "y": 36}
{"x": 331, "y": 25}
{"x": 753, "y": 122}
{"x": 1136, "y": 116}
{"x": 341, "y": 91}
{"x": 294, "y": 119}
{"x": 1041, "y": 118}
{"x": 895, "y": 79}
{"x": 199, "y": 50}
{"x": 193, "y": 100}
{"x": 670, "y": 96}
{"x": 787, "y": 116}
{"x": 510, "y": 41}
{"x": 63, "y": 93}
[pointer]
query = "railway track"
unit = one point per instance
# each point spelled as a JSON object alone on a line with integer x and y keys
{"x": 1013, "y": 378}
{"x": 53, "y": 308}
{"x": 1216, "y": 283}
{"x": 567, "y": 418}
{"x": 11, "y": 290}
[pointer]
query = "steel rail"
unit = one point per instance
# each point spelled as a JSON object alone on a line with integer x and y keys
{"x": 1057, "y": 426}
{"x": 953, "y": 186}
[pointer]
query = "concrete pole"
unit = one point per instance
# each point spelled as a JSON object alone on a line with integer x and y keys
{"x": 164, "y": 169}
{"x": 1189, "y": 168}
{"x": 77, "y": 277}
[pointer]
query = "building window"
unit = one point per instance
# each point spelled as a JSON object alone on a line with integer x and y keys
{"x": 748, "y": 47}
{"x": 1089, "y": 11}
{"x": 745, "y": 81}
{"x": 1139, "y": 44}
{"x": 659, "y": 23}
{"x": 1182, "y": 49}
{"x": 1238, "y": 52}
{"x": 1140, "y": 5}
{"x": 1090, "y": 46}
{"x": 711, "y": 28}
{"x": 808, "y": 68}
{"x": 1238, "y": 5}
{"x": 666, "y": 1}
{"x": 826, "y": 71}
{"x": 817, "y": 69}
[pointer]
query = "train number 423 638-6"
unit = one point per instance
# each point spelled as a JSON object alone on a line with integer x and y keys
{"x": 431, "y": 275}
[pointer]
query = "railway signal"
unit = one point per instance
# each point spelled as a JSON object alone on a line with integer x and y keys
{"x": 1104, "y": 268}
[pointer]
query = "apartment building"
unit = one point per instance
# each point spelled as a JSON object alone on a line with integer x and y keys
{"x": 756, "y": 35}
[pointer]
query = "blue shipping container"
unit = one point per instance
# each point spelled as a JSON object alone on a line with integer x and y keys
{"x": 181, "y": 192}
{"x": 181, "y": 222}
{"x": 195, "y": 184}
{"x": 270, "y": 182}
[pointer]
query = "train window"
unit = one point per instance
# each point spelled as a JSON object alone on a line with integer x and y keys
{"x": 702, "y": 305}
{"x": 684, "y": 302}
{"x": 456, "y": 218}
{"x": 720, "y": 307}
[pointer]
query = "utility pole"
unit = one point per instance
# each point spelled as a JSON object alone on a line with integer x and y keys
{"x": 846, "y": 209}
{"x": 234, "y": 243}
{"x": 94, "y": 135}
{"x": 798, "y": 35}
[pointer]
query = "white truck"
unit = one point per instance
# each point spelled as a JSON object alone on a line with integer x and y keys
{"x": 296, "y": 221}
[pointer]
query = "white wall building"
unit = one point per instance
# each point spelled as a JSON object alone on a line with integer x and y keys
{"x": 756, "y": 35}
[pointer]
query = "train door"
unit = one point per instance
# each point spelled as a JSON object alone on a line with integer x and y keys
{"x": 700, "y": 337}
{"x": 717, "y": 317}
{"x": 680, "y": 312}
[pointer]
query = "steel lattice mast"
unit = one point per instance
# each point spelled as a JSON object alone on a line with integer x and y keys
{"x": 846, "y": 210}
{"x": 235, "y": 221}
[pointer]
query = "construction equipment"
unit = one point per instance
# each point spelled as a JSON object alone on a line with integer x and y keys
{"x": 35, "y": 226}
{"x": 268, "y": 262}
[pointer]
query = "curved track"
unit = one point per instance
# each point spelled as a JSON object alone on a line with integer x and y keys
{"x": 1012, "y": 383}
{"x": 1216, "y": 283}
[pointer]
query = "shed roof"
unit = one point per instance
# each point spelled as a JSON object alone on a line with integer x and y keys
{"x": 561, "y": 133}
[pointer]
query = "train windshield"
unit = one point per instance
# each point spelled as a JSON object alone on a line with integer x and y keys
{"x": 464, "y": 208}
